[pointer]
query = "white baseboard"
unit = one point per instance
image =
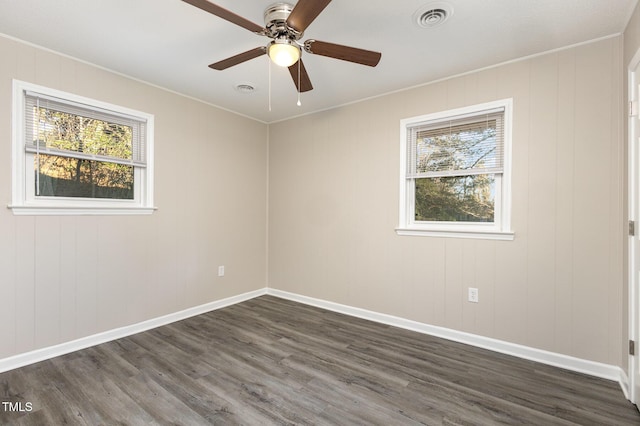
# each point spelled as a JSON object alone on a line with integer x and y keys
{"x": 605, "y": 371}
{"x": 38, "y": 355}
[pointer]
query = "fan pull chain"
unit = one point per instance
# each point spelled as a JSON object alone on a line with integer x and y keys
{"x": 299, "y": 66}
{"x": 269, "y": 85}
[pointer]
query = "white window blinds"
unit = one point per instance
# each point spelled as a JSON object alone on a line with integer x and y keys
{"x": 460, "y": 146}
{"x": 63, "y": 128}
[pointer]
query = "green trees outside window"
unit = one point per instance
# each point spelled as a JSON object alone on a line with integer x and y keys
{"x": 73, "y": 173}
{"x": 455, "y": 199}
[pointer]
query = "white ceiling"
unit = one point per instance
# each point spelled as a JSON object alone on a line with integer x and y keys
{"x": 169, "y": 43}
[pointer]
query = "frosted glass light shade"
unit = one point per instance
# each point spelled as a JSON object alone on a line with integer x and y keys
{"x": 284, "y": 53}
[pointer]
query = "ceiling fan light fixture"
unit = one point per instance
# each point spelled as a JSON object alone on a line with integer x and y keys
{"x": 284, "y": 52}
{"x": 285, "y": 25}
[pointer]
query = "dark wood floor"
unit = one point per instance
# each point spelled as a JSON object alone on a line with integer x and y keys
{"x": 272, "y": 361}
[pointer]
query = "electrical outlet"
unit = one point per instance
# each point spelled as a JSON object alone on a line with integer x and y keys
{"x": 473, "y": 295}
{"x": 221, "y": 271}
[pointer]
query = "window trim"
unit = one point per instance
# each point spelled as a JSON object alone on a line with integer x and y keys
{"x": 500, "y": 229}
{"x": 24, "y": 202}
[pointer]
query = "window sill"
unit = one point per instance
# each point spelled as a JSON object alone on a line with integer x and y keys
{"x": 481, "y": 234}
{"x": 79, "y": 211}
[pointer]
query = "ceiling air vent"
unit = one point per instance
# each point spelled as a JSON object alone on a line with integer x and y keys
{"x": 433, "y": 14}
{"x": 245, "y": 88}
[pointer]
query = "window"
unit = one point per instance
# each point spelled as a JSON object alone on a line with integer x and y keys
{"x": 73, "y": 155}
{"x": 455, "y": 173}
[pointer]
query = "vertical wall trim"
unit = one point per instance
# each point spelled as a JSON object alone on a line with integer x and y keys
{"x": 268, "y": 183}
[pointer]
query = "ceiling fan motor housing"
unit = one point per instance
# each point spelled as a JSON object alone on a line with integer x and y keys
{"x": 275, "y": 21}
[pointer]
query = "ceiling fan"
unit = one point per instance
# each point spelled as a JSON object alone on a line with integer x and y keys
{"x": 285, "y": 25}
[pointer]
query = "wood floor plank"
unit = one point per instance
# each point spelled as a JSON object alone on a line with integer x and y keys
{"x": 273, "y": 361}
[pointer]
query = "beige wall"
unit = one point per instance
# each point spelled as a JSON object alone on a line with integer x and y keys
{"x": 632, "y": 37}
{"x": 332, "y": 210}
{"x": 333, "y": 207}
{"x": 62, "y": 278}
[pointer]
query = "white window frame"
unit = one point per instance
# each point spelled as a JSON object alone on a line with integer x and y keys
{"x": 500, "y": 229}
{"x": 25, "y": 202}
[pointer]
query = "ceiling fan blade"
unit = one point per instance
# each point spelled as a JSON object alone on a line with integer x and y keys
{"x": 345, "y": 53}
{"x": 239, "y": 58}
{"x": 226, "y": 15}
{"x": 303, "y": 77}
{"x": 304, "y": 12}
